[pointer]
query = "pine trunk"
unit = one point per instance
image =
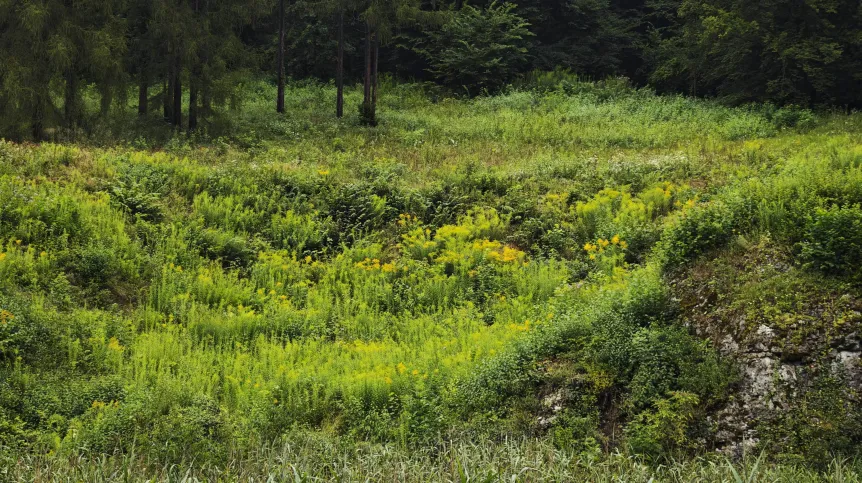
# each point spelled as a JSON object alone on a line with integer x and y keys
{"x": 374, "y": 61}
{"x": 280, "y": 101}
{"x": 367, "y": 113}
{"x": 339, "y": 74}
{"x": 168, "y": 97}
{"x": 143, "y": 89}
{"x": 178, "y": 97}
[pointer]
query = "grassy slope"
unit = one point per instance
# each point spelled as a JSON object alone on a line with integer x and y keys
{"x": 203, "y": 298}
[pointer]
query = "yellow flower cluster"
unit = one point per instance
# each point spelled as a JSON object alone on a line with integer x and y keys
{"x": 114, "y": 345}
{"x": 405, "y": 218}
{"x": 602, "y": 244}
{"x": 5, "y": 317}
{"x": 371, "y": 264}
{"x": 506, "y": 255}
{"x": 521, "y": 327}
{"x": 687, "y": 205}
{"x": 103, "y": 405}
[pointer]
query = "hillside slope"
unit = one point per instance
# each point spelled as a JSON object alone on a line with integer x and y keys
{"x": 588, "y": 272}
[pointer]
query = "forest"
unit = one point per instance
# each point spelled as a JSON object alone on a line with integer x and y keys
{"x": 417, "y": 240}
{"x": 188, "y": 58}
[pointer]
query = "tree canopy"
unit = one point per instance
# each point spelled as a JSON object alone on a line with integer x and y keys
{"x": 191, "y": 54}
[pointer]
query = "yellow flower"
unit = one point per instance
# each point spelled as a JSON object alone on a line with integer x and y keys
{"x": 114, "y": 345}
{"x": 2, "y": 256}
{"x": 388, "y": 267}
{"x": 603, "y": 243}
{"x": 589, "y": 247}
{"x": 5, "y": 316}
{"x": 624, "y": 245}
{"x": 415, "y": 372}
{"x": 615, "y": 240}
{"x": 323, "y": 172}
{"x": 401, "y": 368}
{"x": 308, "y": 259}
{"x": 43, "y": 254}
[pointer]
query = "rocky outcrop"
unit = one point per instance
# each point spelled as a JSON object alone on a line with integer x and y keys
{"x": 784, "y": 326}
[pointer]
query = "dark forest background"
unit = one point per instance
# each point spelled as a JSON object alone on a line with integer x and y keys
{"x": 185, "y": 58}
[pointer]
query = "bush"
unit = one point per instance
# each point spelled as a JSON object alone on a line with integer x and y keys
{"x": 833, "y": 240}
{"x": 663, "y": 431}
{"x": 697, "y": 230}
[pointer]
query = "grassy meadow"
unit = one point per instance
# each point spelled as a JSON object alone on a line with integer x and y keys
{"x": 299, "y": 297}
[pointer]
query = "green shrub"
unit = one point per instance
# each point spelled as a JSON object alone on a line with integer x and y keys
{"x": 360, "y": 208}
{"x": 697, "y": 230}
{"x": 301, "y": 234}
{"x": 230, "y": 249}
{"x": 477, "y": 48}
{"x": 664, "y": 430}
{"x": 833, "y": 240}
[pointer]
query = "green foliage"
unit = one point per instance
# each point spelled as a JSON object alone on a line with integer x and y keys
{"x": 478, "y": 49}
{"x": 698, "y": 230}
{"x": 664, "y": 430}
{"x": 833, "y": 240}
{"x": 782, "y": 52}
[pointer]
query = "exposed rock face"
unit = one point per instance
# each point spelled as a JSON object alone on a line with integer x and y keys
{"x": 784, "y": 326}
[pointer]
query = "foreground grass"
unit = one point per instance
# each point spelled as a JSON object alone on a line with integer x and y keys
{"x": 315, "y": 459}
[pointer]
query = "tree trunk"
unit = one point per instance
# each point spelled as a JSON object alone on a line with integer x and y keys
{"x": 339, "y": 73}
{"x": 178, "y": 97}
{"x": 374, "y": 61}
{"x": 367, "y": 112}
{"x": 168, "y": 97}
{"x": 193, "y": 104}
{"x": 280, "y": 101}
{"x": 143, "y": 90}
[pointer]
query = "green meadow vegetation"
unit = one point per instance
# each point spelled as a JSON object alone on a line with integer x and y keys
{"x": 301, "y": 297}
